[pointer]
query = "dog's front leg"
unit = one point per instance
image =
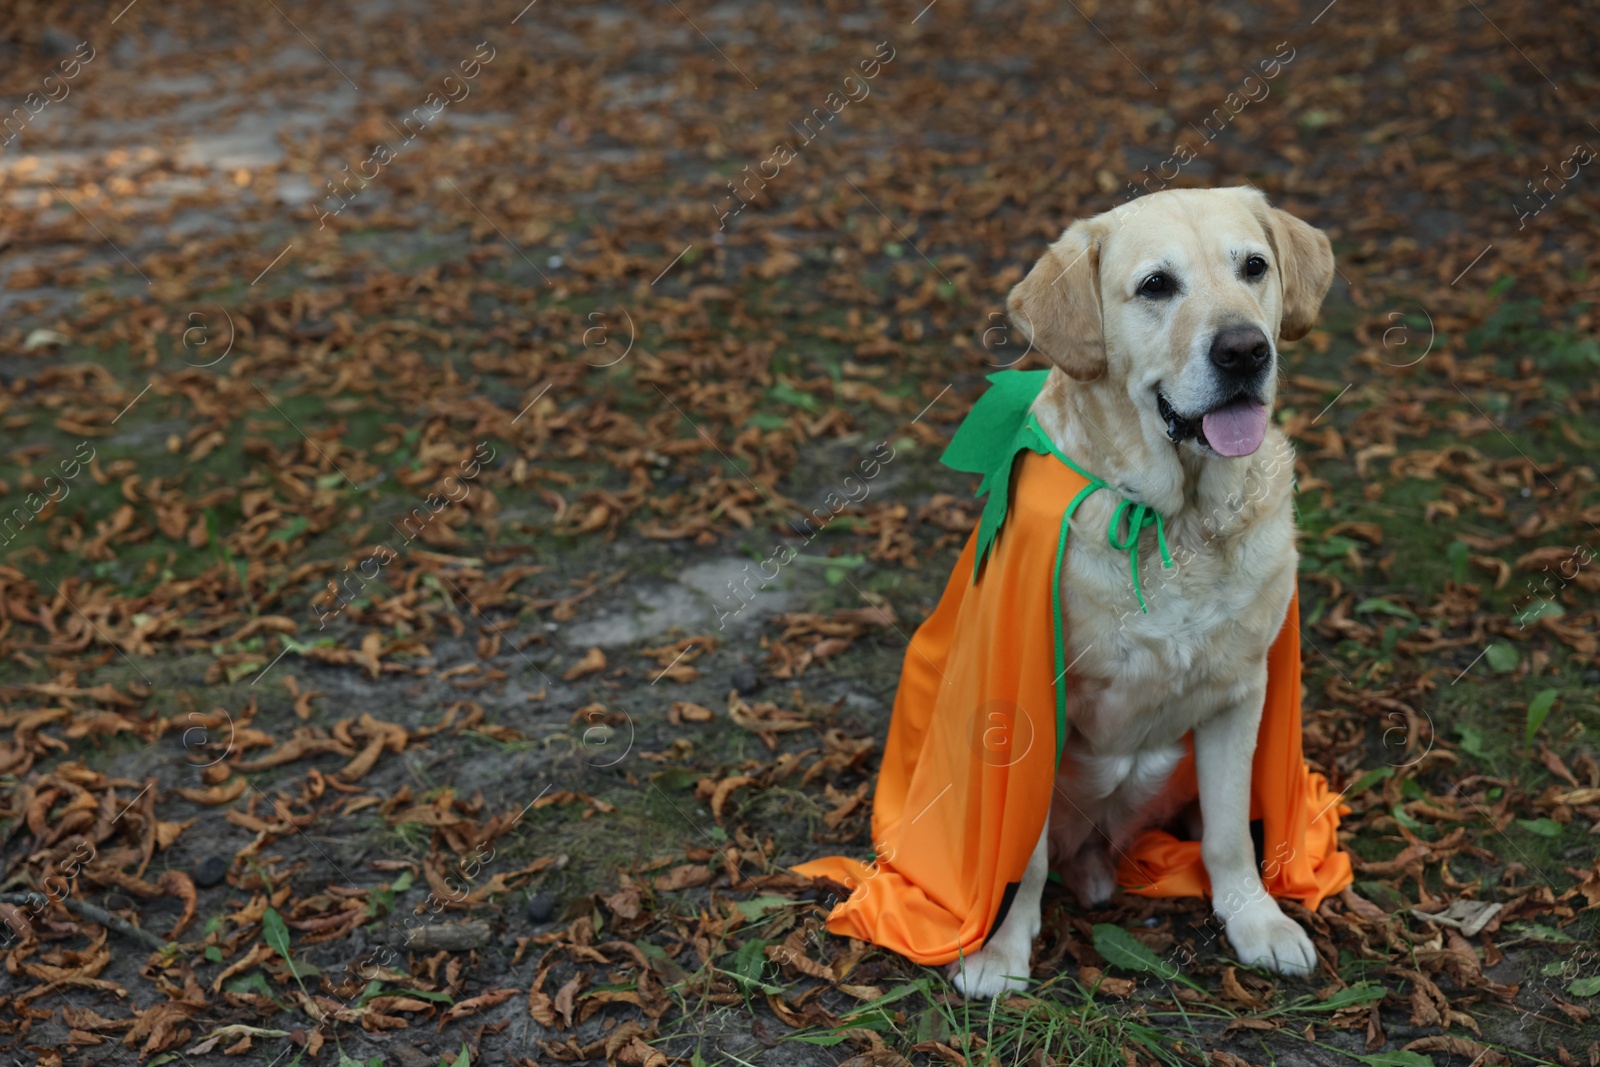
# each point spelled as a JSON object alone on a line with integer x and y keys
{"x": 1224, "y": 748}
{"x": 1002, "y": 964}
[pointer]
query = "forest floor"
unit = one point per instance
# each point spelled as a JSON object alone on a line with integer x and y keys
{"x": 398, "y": 397}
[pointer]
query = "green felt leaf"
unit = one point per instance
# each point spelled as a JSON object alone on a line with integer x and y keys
{"x": 993, "y": 421}
{"x": 987, "y": 443}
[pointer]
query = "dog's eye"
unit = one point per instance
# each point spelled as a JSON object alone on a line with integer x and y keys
{"x": 1158, "y": 284}
{"x": 1255, "y": 267}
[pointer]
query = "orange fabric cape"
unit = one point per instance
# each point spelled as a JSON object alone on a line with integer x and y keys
{"x": 978, "y": 722}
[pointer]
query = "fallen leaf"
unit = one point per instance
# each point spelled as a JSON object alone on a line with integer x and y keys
{"x": 594, "y": 660}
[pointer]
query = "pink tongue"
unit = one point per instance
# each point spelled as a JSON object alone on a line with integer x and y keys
{"x": 1236, "y": 428}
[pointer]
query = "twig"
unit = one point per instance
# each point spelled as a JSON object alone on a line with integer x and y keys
{"x": 452, "y": 937}
{"x": 88, "y": 911}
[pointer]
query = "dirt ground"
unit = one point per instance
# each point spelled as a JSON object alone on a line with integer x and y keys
{"x": 403, "y": 406}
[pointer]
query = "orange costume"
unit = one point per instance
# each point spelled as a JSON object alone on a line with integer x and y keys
{"x": 980, "y": 719}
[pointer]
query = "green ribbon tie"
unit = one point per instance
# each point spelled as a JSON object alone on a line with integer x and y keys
{"x": 1124, "y": 537}
{"x": 1001, "y": 425}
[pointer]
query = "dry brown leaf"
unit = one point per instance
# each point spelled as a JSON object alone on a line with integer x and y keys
{"x": 686, "y": 712}
{"x": 218, "y": 794}
{"x": 474, "y": 1005}
{"x": 792, "y": 953}
{"x": 1458, "y": 1046}
{"x": 1238, "y": 993}
{"x": 1220, "y": 1058}
{"x": 724, "y": 789}
{"x": 180, "y": 885}
{"x": 940, "y": 1051}
{"x": 298, "y": 747}
{"x": 624, "y": 903}
{"x": 563, "y": 1002}
{"x": 685, "y": 877}
{"x": 593, "y": 660}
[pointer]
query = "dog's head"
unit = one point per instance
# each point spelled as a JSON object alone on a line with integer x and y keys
{"x": 1180, "y": 298}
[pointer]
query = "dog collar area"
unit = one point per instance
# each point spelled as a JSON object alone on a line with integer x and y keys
{"x": 1001, "y": 425}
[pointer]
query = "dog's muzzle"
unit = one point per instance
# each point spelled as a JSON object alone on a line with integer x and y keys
{"x": 1179, "y": 429}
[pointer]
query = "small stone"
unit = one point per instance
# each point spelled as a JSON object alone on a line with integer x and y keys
{"x": 542, "y": 907}
{"x": 745, "y": 679}
{"x": 55, "y": 41}
{"x": 210, "y": 871}
{"x": 411, "y": 1057}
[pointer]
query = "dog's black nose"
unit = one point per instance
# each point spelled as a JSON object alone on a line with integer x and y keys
{"x": 1240, "y": 350}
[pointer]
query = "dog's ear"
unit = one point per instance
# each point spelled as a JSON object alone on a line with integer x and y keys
{"x": 1057, "y": 306}
{"x": 1305, "y": 268}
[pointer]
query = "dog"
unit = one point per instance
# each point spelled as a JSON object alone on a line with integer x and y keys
{"x": 1161, "y": 320}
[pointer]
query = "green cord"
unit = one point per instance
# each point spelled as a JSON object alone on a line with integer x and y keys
{"x": 1143, "y": 515}
{"x": 1001, "y": 425}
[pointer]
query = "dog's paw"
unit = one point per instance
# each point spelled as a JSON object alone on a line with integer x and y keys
{"x": 997, "y": 968}
{"x": 1265, "y": 937}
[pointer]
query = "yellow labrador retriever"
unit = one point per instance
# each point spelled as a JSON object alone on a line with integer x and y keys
{"x": 1162, "y": 320}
